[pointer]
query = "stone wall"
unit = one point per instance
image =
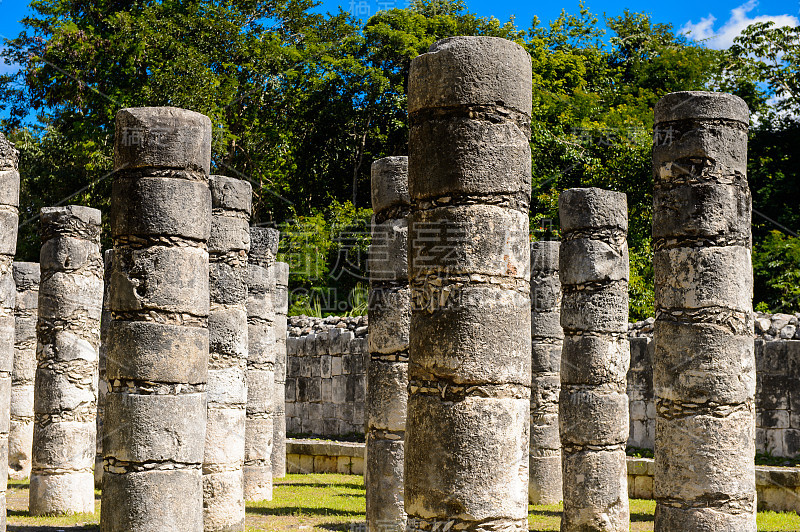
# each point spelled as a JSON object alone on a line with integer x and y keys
{"x": 320, "y": 456}
{"x": 326, "y": 380}
{"x": 325, "y": 383}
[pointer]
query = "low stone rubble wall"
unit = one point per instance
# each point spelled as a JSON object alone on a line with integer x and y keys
{"x": 778, "y": 487}
{"x": 320, "y": 456}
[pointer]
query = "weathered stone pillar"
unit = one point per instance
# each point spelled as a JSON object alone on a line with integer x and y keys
{"x": 259, "y": 431}
{"x": 281, "y": 302}
{"x": 157, "y": 356}
{"x": 704, "y": 364}
{"x": 102, "y": 381}
{"x": 20, "y": 436}
{"x": 544, "y": 486}
{"x": 387, "y": 372}
{"x": 593, "y": 406}
{"x": 469, "y": 167}
{"x": 228, "y": 245}
{"x": 9, "y": 219}
{"x": 68, "y": 335}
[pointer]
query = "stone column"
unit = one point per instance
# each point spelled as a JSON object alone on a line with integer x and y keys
{"x": 593, "y": 405}
{"x": 157, "y": 356}
{"x": 281, "y": 302}
{"x": 546, "y": 338}
{"x": 20, "y": 436}
{"x": 68, "y": 335}
{"x": 228, "y": 245}
{"x": 469, "y": 172}
{"x": 9, "y": 218}
{"x": 704, "y": 364}
{"x": 102, "y": 381}
{"x": 387, "y": 372}
{"x": 259, "y": 431}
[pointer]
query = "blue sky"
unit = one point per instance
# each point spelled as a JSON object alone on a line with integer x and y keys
{"x": 718, "y": 21}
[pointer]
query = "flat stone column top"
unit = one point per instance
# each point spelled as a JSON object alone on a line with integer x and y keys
{"x": 389, "y": 184}
{"x": 231, "y": 194}
{"x": 70, "y": 217}
{"x": 263, "y": 245}
{"x": 162, "y": 137}
{"x": 700, "y": 105}
{"x": 593, "y": 209}
{"x": 467, "y": 71}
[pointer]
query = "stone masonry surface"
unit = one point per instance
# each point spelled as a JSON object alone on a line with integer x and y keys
{"x": 68, "y": 337}
{"x": 9, "y": 219}
{"x": 261, "y": 404}
{"x": 102, "y": 381}
{"x": 387, "y": 368}
{"x": 20, "y": 437}
{"x": 704, "y": 371}
{"x": 593, "y": 405}
{"x": 544, "y": 486}
{"x": 157, "y": 357}
{"x": 326, "y": 384}
{"x": 281, "y": 304}
{"x": 469, "y": 175}
{"x": 228, "y": 246}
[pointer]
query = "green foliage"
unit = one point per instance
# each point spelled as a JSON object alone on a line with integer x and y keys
{"x": 769, "y": 54}
{"x": 776, "y": 263}
{"x": 326, "y": 252}
{"x": 302, "y": 102}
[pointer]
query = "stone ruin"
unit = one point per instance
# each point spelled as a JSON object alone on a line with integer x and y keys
{"x": 259, "y": 434}
{"x": 23, "y": 376}
{"x": 387, "y": 370}
{"x": 593, "y": 404}
{"x": 469, "y": 374}
{"x": 68, "y": 337}
{"x": 496, "y": 369}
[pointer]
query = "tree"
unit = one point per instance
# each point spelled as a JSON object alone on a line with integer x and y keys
{"x": 769, "y": 54}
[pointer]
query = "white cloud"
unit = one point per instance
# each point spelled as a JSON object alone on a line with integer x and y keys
{"x": 722, "y": 38}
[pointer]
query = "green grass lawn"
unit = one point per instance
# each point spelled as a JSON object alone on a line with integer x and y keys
{"x": 333, "y": 502}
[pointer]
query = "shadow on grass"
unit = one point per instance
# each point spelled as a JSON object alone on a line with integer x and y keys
{"x": 347, "y": 485}
{"x": 641, "y": 518}
{"x": 335, "y": 526}
{"x": 61, "y": 528}
{"x": 545, "y": 513}
{"x": 300, "y": 510}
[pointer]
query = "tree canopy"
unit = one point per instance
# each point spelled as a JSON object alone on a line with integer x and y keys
{"x": 301, "y": 103}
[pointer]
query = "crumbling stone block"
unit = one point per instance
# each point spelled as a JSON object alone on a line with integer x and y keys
{"x": 68, "y": 337}
{"x": 704, "y": 373}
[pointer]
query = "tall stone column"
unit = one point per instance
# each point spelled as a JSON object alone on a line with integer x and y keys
{"x": 20, "y": 436}
{"x": 387, "y": 372}
{"x": 469, "y": 172}
{"x": 704, "y": 364}
{"x": 9, "y": 219}
{"x": 68, "y": 336}
{"x": 544, "y": 462}
{"x": 259, "y": 430}
{"x": 102, "y": 381}
{"x": 157, "y": 356}
{"x": 228, "y": 245}
{"x": 593, "y": 405}
{"x": 281, "y": 302}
